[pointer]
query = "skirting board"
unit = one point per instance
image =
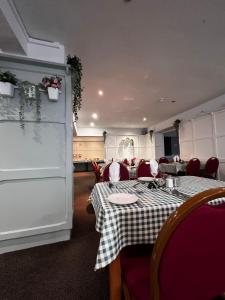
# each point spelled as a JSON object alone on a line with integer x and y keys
{"x": 33, "y": 241}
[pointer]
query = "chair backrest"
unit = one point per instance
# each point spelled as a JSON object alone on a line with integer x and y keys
{"x": 163, "y": 160}
{"x": 188, "y": 260}
{"x": 126, "y": 162}
{"x": 211, "y": 167}
{"x": 124, "y": 173}
{"x": 144, "y": 170}
{"x": 193, "y": 167}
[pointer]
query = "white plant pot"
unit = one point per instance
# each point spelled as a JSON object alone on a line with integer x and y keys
{"x": 7, "y": 89}
{"x": 53, "y": 94}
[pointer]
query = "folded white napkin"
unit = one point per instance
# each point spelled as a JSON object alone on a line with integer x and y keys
{"x": 154, "y": 166}
{"x": 137, "y": 160}
{"x": 176, "y": 158}
{"x": 114, "y": 172}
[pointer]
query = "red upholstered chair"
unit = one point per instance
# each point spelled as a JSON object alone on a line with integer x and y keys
{"x": 163, "y": 160}
{"x": 126, "y": 162}
{"x": 193, "y": 167}
{"x": 187, "y": 261}
{"x": 144, "y": 170}
{"x": 124, "y": 173}
{"x": 96, "y": 170}
{"x": 211, "y": 168}
{"x": 105, "y": 175}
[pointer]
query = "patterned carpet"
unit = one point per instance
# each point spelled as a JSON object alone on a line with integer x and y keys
{"x": 59, "y": 271}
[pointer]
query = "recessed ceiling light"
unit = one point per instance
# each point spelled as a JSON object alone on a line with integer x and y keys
{"x": 92, "y": 124}
{"x": 144, "y": 119}
{"x": 100, "y": 92}
{"x": 94, "y": 116}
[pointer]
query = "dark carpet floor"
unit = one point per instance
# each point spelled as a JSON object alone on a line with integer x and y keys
{"x": 59, "y": 271}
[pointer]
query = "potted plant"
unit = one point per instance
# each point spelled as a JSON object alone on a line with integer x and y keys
{"x": 52, "y": 85}
{"x": 7, "y": 83}
{"x": 176, "y": 125}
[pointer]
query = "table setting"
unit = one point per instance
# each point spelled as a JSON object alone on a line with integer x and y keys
{"x": 138, "y": 211}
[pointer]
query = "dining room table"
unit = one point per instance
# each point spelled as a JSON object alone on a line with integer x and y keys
{"x": 176, "y": 168}
{"x": 139, "y": 222}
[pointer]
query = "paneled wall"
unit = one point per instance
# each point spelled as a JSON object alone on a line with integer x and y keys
{"x": 204, "y": 137}
{"x": 142, "y": 147}
{"x": 35, "y": 162}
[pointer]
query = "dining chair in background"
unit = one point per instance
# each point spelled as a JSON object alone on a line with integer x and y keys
{"x": 163, "y": 160}
{"x": 193, "y": 167}
{"x": 144, "y": 170}
{"x": 126, "y": 162}
{"x": 97, "y": 171}
{"x": 211, "y": 168}
{"x": 187, "y": 261}
{"x": 124, "y": 173}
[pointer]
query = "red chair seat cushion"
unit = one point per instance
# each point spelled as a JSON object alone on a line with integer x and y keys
{"x": 136, "y": 275}
{"x": 135, "y": 265}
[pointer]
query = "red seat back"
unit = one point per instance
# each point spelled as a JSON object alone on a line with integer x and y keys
{"x": 193, "y": 167}
{"x": 193, "y": 263}
{"x": 211, "y": 167}
{"x": 124, "y": 173}
{"x": 144, "y": 170}
{"x": 163, "y": 160}
{"x": 126, "y": 162}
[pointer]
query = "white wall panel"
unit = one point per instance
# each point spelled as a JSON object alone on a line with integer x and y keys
{"x": 220, "y": 122}
{"x": 204, "y": 148}
{"x": 186, "y": 149}
{"x": 203, "y": 127}
{"x": 38, "y": 145}
{"x": 26, "y": 210}
{"x": 221, "y": 147}
{"x": 186, "y": 131}
{"x": 110, "y": 141}
{"x": 111, "y": 153}
{"x": 142, "y": 140}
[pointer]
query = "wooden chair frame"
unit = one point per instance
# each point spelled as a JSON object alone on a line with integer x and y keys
{"x": 169, "y": 227}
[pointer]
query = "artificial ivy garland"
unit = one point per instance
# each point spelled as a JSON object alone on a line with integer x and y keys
{"x": 76, "y": 75}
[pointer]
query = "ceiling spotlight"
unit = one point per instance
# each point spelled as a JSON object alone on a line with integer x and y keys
{"x": 94, "y": 116}
{"x": 100, "y": 92}
{"x": 144, "y": 119}
{"x": 92, "y": 124}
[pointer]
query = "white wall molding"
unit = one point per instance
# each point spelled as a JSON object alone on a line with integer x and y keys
{"x": 33, "y": 48}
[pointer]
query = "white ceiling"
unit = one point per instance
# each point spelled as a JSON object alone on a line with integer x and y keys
{"x": 142, "y": 50}
{"x": 8, "y": 41}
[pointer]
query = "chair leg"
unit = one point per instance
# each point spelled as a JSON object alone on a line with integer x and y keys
{"x": 126, "y": 293}
{"x": 115, "y": 289}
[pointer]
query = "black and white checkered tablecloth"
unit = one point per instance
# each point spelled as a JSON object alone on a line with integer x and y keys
{"x": 123, "y": 225}
{"x": 172, "y": 168}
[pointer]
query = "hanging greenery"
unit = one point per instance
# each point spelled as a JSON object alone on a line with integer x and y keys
{"x": 104, "y": 135}
{"x": 29, "y": 93}
{"x": 76, "y": 75}
{"x": 151, "y": 134}
{"x": 176, "y": 125}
